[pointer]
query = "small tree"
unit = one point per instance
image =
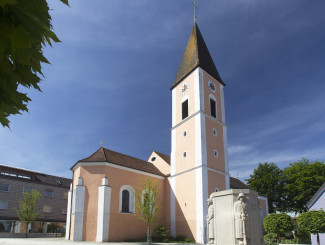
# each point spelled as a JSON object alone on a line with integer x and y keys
{"x": 27, "y": 212}
{"x": 278, "y": 224}
{"x": 312, "y": 221}
{"x": 147, "y": 204}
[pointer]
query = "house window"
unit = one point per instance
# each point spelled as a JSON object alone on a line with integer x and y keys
{"x": 65, "y": 195}
{"x": 185, "y": 109}
{"x": 126, "y": 204}
{"x": 48, "y": 193}
{"x": 4, "y": 187}
{"x": 26, "y": 189}
{"x": 3, "y": 204}
{"x": 213, "y": 108}
{"x": 262, "y": 214}
{"x": 59, "y": 182}
{"x": 47, "y": 209}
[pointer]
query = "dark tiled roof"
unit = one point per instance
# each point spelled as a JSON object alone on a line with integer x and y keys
{"x": 196, "y": 54}
{"x": 38, "y": 177}
{"x": 237, "y": 184}
{"x": 106, "y": 155}
{"x": 165, "y": 157}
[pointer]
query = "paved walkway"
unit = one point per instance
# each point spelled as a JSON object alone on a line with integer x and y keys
{"x": 61, "y": 241}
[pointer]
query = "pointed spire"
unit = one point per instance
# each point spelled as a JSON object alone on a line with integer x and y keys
{"x": 196, "y": 54}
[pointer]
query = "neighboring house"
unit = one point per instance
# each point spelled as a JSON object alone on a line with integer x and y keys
{"x": 52, "y": 205}
{"x": 317, "y": 202}
{"x": 102, "y": 198}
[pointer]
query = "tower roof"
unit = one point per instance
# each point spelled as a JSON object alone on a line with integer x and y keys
{"x": 196, "y": 54}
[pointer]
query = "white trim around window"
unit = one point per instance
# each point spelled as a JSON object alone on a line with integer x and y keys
{"x": 131, "y": 199}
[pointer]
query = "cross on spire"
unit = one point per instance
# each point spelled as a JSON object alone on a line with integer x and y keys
{"x": 195, "y": 8}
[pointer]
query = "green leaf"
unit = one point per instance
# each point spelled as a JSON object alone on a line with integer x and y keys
{"x": 25, "y": 28}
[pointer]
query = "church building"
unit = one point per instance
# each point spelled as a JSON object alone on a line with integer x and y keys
{"x": 101, "y": 203}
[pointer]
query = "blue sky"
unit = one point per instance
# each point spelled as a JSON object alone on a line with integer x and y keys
{"x": 110, "y": 76}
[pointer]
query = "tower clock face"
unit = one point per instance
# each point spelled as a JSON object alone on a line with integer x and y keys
{"x": 212, "y": 86}
{"x": 184, "y": 88}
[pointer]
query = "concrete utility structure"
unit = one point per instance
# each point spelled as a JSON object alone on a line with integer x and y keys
{"x": 102, "y": 197}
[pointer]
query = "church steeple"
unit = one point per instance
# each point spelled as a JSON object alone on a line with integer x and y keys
{"x": 199, "y": 155}
{"x": 196, "y": 54}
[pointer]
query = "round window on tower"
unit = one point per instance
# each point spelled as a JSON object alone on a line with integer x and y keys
{"x": 153, "y": 159}
{"x": 184, "y": 154}
{"x": 184, "y": 133}
{"x": 215, "y": 153}
{"x": 214, "y": 132}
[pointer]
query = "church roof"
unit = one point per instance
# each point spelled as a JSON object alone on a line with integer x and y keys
{"x": 165, "y": 157}
{"x": 237, "y": 184}
{"x": 106, "y": 155}
{"x": 196, "y": 54}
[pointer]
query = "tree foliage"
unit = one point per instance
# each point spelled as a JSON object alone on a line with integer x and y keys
{"x": 302, "y": 180}
{"x": 278, "y": 223}
{"x": 267, "y": 179}
{"x": 25, "y": 28}
{"x": 147, "y": 204}
{"x": 27, "y": 212}
{"x": 290, "y": 189}
{"x": 312, "y": 221}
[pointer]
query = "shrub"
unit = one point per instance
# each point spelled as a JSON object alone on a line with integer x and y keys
{"x": 279, "y": 223}
{"x": 188, "y": 240}
{"x": 180, "y": 238}
{"x": 162, "y": 233}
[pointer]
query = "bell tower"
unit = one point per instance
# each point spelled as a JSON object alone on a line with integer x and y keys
{"x": 199, "y": 155}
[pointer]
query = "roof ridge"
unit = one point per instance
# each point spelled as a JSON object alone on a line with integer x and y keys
{"x": 90, "y": 155}
{"x": 123, "y": 155}
{"x": 106, "y": 158}
{"x": 161, "y": 153}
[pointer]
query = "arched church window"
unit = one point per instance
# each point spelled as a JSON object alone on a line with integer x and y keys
{"x": 126, "y": 200}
